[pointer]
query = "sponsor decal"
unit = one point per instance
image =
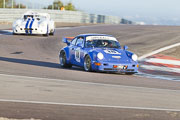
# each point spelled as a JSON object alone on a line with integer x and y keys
{"x": 26, "y": 26}
{"x": 30, "y": 27}
{"x": 100, "y": 38}
{"x": 77, "y": 54}
{"x": 112, "y": 52}
{"x": 117, "y": 57}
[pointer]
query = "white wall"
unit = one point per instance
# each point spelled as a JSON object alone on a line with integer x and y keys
{"x": 9, "y": 15}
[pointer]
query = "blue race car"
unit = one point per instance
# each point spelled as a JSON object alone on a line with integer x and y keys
{"x": 98, "y": 52}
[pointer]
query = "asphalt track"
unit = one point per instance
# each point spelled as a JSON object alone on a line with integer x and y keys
{"x": 54, "y": 93}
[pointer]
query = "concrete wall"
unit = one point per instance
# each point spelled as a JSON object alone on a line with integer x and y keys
{"x": 10, "y": 15}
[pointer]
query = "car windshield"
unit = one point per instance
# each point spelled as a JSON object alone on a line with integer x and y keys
{"x": 102, "y": 43}
{"x": 27, "y": 16}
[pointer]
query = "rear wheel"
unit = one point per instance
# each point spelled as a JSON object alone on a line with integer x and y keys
{"x": 63, "y": 60}
{"x": 52, "y": 32}
{"x": 87, "y": 64}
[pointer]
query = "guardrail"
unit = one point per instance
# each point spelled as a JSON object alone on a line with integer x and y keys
{"x": 10, "y": 15}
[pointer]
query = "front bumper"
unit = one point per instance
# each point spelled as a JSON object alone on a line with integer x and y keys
{"x": 19, "y": 30}
{"x": 122, "y": 67}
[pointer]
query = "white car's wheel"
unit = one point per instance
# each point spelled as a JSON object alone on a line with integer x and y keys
{"x": 52, "y": 32}
{"x": 14, "y": 33}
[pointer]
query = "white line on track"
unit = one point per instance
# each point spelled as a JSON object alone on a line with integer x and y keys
{"x": 143, "y": 58}
{"x": 158, "y": 51}
{"x": 63, "y": 28}
{"x": 163, "y": 61}
{"x": 75, "y": 27}
{"x": 7, "y": 30}
{"x": 71, "y": 27}
{"x": 89, "y": 105}
{"x": 159, "y": 77}
{"x": 6, "y": 34}
{"x": 87, "y": 83}
{"x": 166, "y": 69}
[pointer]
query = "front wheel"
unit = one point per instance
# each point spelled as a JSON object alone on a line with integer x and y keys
{"x": 87, "y": 64}
{"x": 14, "y": 33}
{"x": 52, "y": 32}
{"x": 63, "y": 60}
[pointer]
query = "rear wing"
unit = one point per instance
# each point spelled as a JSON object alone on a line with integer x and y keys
{"x": 67, "y": 40}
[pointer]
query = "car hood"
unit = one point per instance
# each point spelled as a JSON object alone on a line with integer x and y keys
{"x": 23, "y": 23}
{"x": 114, "y": 54}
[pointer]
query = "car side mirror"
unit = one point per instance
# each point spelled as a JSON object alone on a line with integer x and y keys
{"x": 65, "y": 40}
{"x": 125, "y": 47}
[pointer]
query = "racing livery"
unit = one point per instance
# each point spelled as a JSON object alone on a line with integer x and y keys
{"x": 34, "y": 23}
{"x": 98, "y": 52}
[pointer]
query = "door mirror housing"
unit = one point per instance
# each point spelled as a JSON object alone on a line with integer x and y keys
{"x": 65, "y": 40}
{"x": 125, "y": 47}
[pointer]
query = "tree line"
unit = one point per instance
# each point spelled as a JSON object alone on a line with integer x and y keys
{"x": 57, "y": 5}
{"x": 9, "y": 4}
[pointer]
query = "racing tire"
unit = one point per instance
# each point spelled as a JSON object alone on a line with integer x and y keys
{"x": 130, "y": 73}
{"x": 47, "y": 34}
{"x": 14, "y": 33}
{"x": 63, "y": 60}
{"x": 51, "y": 33}
{"x": 87, "y": 64}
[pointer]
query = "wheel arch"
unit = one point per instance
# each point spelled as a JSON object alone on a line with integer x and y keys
{"x": 66, "y": 50}
{"x": 90, "y": 54}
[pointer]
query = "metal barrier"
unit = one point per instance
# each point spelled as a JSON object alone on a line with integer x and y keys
{"x": 10, "y": 15}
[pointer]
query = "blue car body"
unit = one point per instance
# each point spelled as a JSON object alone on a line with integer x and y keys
{"x": 113, "y": 59}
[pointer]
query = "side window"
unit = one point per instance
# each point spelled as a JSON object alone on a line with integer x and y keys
{"x": 73, "y": 42}
{"x": 80, "y": 40}
{"x": 25, "y": 17}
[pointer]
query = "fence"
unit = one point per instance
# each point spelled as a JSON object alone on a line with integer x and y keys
{"x": 10, "y": 15}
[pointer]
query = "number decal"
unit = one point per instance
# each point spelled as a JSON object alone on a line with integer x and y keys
{"x": 112, "y": 52}
{"x": 77, "y": 54}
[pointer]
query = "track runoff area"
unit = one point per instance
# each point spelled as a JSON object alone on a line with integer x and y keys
{"x": 96, "y": 99}
{"x": 160, "y": 66}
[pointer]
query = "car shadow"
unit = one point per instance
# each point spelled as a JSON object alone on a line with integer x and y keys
{"x": 6, "y": 32}
{"x": 9, "y": 32}
{"x": 38, "y": 63}
{"x": 49, "y": 65}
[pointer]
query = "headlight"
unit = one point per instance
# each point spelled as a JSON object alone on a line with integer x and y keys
{"x": 100, "y": 56}
{"x": 134, "y": 57}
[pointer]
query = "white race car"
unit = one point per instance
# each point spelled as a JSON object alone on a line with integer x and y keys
{"x": 34, "y": 23}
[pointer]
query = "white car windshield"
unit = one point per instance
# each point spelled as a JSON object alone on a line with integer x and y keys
{"x": 102, "y": 44}
{"x": 28, "y": 16}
